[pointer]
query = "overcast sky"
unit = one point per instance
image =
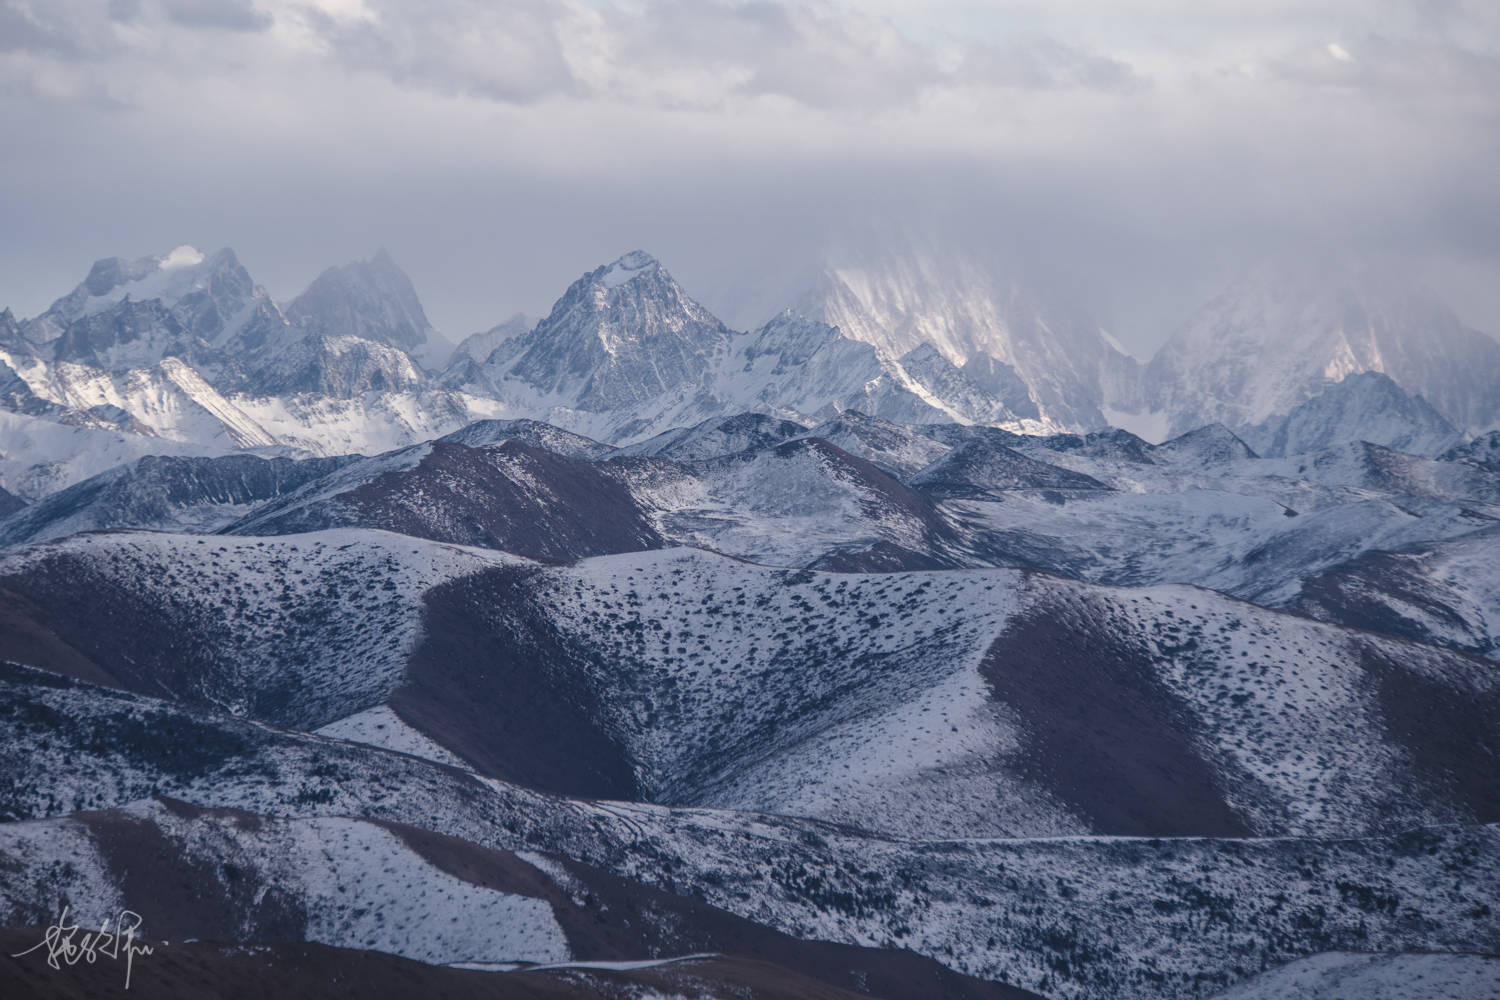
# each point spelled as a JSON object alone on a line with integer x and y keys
{"x": 1141, "y": 151}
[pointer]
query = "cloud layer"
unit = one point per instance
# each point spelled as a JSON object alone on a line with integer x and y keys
{"x": 499, "y": 149}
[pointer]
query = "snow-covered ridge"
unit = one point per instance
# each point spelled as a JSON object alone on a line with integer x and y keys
{"x": 907, "y": 334}
{"x": 627, "y": 268}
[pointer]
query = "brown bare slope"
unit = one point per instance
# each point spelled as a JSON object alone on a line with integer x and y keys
{"x": 1102, "y": 733}
{"x": 499, "y": 684}
{"x": 512, "y": 497}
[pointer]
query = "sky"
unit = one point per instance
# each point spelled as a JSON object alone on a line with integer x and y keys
{"x": 1137, "y": 153}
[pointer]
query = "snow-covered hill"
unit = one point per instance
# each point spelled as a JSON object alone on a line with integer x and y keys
{"x": 164, "y": 493}
{"x": 302, "y": 630}
{"x": 917, "y": 704}
{"x": 509, "y": 496}
{"x": 1073, "y": 918}
{"x": 1443, "y": 593}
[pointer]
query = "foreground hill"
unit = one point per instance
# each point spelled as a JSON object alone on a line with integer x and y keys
{"x": 1071, "y": 917}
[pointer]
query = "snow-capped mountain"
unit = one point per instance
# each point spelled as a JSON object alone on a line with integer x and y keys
{"x": 624, "y": 346}
{"x": 187, "y": 349}
{"x": 1288, "y": 330}
{"x": 128, "y": 314}
{"x": 626, "y": 353}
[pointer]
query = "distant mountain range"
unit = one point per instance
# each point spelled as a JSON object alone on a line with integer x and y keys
{"x": 185, "y": 348}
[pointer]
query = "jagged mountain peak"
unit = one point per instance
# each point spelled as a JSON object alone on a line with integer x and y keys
{"x": 614, "y": 293}
{"x": 169, "y": 277}
{"x": 623, "y": 336}
{"x": 109, "y": 273}
{"x": 128, "y": 314}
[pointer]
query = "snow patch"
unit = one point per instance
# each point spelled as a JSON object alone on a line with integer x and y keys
{"x": 382, "y": 727}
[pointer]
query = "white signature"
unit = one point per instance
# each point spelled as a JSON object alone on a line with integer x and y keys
{"x": 65, "y": 947}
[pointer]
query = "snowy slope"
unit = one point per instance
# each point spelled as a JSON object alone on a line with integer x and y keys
{"x": 890, "y": 701}
{"x": 901, "y": 450}
{"x": 790, "y": 504}
{"x": 509, "y": 496}
{"x": 38, "y": 456}
{"x": 912, "y": 703}
{"x": 163, "y": 493}
{"x": 1445, "y": 593}
{"x": 168, "y": 400}
{"x": 1354, "y": 976}
{"x": 483, "y": 433}
{"x": 715, "y": 437}
{"x": 1484, "y": 449}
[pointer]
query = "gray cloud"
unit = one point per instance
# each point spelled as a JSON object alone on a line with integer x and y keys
{"x": 688, "y": 54}
{"x": 507, "y": 52}
{"x": 1402, "y": 71}
{"x": 41, "y": 28}
{"x": 1044, "y": 64}
{"x": 815, "y": 54}
{"x": 229, "y": 15}
{"x": 499, "y": 150}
